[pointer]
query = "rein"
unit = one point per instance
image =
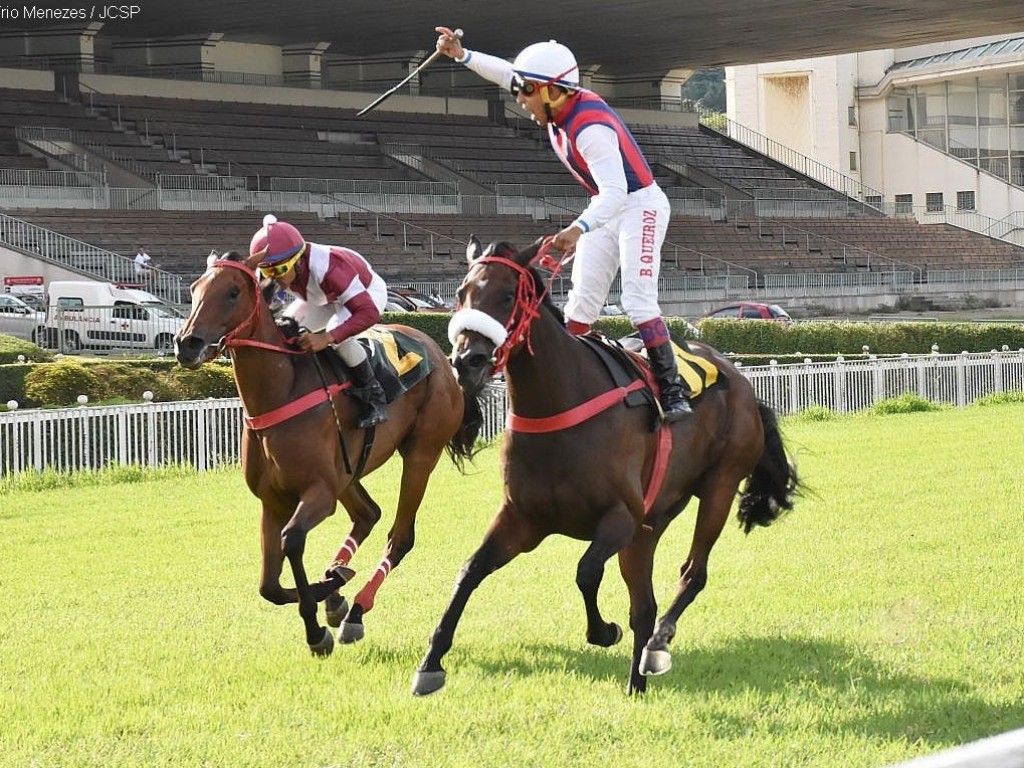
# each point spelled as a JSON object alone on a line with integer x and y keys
{"x": 231, "y": 340}
{"x": 528, "y": 299}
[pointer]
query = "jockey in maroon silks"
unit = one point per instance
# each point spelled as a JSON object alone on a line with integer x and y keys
{"x": 625, "y": 223}
{"x": 338, "y": 291}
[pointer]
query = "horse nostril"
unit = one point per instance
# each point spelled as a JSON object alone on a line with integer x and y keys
{"x": 469, "y": 362}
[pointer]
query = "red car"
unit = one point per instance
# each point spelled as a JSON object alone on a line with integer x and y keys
{"x": 748, "y": 310}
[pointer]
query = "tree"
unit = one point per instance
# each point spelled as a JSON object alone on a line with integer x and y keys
{"x": 707, "y": 86}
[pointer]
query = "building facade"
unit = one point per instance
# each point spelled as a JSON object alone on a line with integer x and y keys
{"x": 935, "y": 130}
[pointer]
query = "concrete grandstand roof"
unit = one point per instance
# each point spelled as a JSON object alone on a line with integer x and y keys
{"x": 626, "y": 37}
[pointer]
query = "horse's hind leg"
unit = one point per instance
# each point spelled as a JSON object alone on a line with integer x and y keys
{"x": 416, "y": 469}
{"x": 364, "y": 513}
{"x": 693, "y": 575}
{"x": 614, "y": 531}
{"x": 506, "y": 538}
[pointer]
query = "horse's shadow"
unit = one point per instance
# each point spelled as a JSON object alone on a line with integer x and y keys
{"x": 821, "y": 672}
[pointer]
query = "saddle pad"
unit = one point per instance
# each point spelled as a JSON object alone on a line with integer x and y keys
{"x": 698, "y": 372}
{"x": 398, "y": 360}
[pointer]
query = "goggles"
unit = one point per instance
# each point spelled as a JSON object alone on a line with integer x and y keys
{"x": 525, "y": 87}
{"x": 528, "y": 87}
{"x": 272, "y": 271}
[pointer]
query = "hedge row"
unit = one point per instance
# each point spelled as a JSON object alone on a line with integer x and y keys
{"x": 46, "y": 381}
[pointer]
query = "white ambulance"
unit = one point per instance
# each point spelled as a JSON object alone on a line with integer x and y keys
{"x": 84, "y": 314}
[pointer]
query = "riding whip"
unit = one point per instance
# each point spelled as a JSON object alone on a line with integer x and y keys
{"x": 426, "y": 62}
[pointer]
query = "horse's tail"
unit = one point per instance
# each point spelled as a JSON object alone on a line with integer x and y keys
{"x": 463, "y": 443}
{"x": 772, "y": 486}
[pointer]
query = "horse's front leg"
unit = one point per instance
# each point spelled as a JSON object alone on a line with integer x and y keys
{"x": 503, "y": 542}
{"x": 273, "y": 560}
{"x": 315, "y": 505}
{"x": 614, "y": 531}
{"x": 636, "y": 564}
{"x": 693, "y": 575}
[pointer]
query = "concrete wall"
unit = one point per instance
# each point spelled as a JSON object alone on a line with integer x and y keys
{"x": 228, "y": 56}
{"x": 28, "y": 79}
{"x": 14, "y": 264}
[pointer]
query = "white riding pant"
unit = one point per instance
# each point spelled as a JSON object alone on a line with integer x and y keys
{"x": 326, "y": 317}
{"x": 630, "y": 242}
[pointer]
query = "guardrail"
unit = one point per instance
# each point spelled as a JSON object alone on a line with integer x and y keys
{"x": 207, "y": 433}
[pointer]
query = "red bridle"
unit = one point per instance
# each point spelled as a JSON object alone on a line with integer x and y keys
{"x": 528, "y": 299}
{"x": 231, "y": 338}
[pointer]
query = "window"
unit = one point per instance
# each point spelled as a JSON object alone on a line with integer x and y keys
{"x": 965, "y": 201}
{"x": 853, "y": 161}
{"x": 851, "y": 115}
{"x": 875, "y": 201}
{"x": 904, "y": 204}
{"x": 933, "y": 202}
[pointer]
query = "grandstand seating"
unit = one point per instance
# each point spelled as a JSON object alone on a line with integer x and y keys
{"x": 717, "y": 156}
{"x": 261, "y": 140}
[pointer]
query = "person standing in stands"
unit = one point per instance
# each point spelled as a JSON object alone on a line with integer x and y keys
{"x": 625, "y": 223}
{"x": 337, "y": 290}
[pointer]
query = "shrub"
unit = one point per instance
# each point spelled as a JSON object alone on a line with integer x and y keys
{"x": 210, "y": 380}
{"x": 11, "y": 347}
{"x": 61, "y": 383}
{"x": 1001, "y": 398}
{"x": 905, "y": 403}
{"x": 816, "y": 413}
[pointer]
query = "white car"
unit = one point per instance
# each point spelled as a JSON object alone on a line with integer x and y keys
{"x": 19, "y": 319}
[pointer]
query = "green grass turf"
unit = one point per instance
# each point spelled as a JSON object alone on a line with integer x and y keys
{"x": 881, "y": 620}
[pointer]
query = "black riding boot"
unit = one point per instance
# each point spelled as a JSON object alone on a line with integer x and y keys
{"x": 674, "y": 392}
{"x": 368, "y": 391}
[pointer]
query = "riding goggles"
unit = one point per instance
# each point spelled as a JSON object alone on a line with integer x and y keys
{"x": 282, "y": 267}
{"x": 527, "y": 87}
{"x": 271, "y": 271}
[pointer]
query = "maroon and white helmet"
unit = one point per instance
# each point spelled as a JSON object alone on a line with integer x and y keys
{"x": 275, "y": 242}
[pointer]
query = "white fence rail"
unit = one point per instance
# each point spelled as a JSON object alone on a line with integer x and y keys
{"x": 206, "y": 433}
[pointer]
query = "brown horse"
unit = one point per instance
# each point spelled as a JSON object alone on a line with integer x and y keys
{"x": 577, "y": 461}
{"x": 301, "y": 450}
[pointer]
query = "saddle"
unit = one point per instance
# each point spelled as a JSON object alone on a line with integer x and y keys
{"x": 399, "y": 361}
{"x": 625, "y": 360}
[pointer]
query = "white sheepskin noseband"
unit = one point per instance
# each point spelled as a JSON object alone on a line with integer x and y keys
{"x": 480, "y": 322}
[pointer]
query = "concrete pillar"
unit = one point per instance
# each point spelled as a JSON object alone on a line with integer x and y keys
{"x": 302, "y": 64}
{"x": 191, "y": 55}
{"x": 54, "y": 48}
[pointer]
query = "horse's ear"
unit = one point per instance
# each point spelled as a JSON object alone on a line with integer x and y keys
{"x": 529, "y": 253}
{"x": 473, "y": 249}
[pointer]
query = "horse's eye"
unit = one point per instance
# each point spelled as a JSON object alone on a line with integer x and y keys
{"x": 509, "y": 299}
{"x": 234, "y": 293}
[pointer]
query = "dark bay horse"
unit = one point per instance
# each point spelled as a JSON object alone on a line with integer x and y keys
{"x": 576, "y": 461}
{"x": 301, "y": 450}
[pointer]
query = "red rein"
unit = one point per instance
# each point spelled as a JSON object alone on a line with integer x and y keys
{"x": 528, "y": 301}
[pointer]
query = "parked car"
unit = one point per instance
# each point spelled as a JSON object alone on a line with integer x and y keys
{"x": 410, "y": 300}
{"x": 748, "y": 310}
{"x": 19, "y": 319}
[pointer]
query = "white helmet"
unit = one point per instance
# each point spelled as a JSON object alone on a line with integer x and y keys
{"x": 548, "y": 62}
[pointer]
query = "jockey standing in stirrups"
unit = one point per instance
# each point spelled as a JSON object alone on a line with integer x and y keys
{"x": 627, "y": 218}
{"x": 337, "y": 290}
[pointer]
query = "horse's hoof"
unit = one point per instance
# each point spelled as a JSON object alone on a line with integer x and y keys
{"x": 350, "y": 632}
{"x": 655, "y": 662}
{"x": 325, "y": 646}
{"x": 425, "y": 683}
{"x": 336, "y": 608}
{"x": 339, "y": 572}
{"x": 612, "y": 636}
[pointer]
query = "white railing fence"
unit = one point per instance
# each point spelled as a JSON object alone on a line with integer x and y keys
{"x": 206, "y": 433}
